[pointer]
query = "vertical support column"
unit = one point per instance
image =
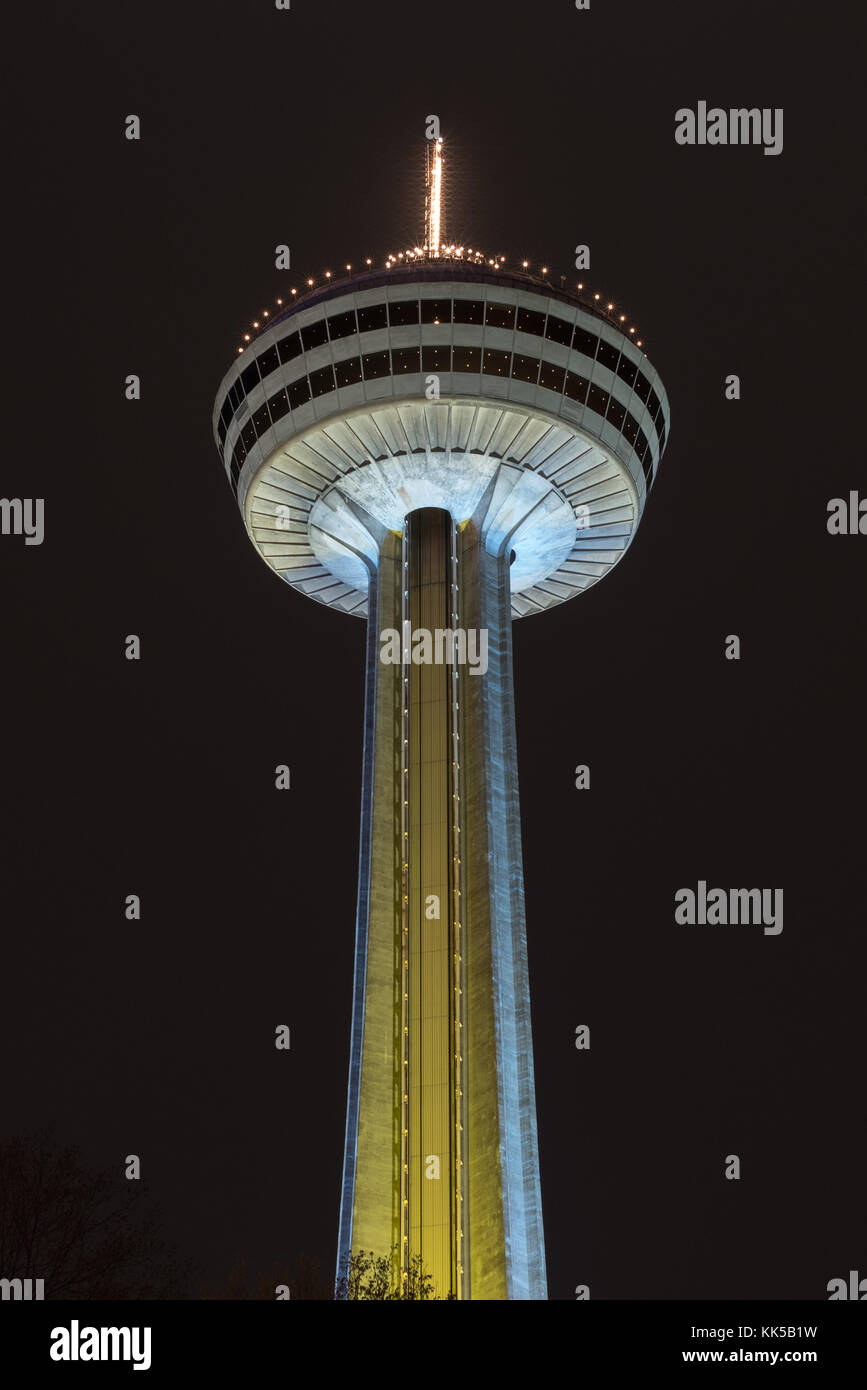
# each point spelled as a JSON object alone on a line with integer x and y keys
{"x": 506, "y": 1239}
{"x": 441, "y": 1071}
{"x": 370, "y": 1200}
{"x": 431, "y": 894}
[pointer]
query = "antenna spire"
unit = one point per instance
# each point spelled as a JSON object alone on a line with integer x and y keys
{"x": 433, "y": 197}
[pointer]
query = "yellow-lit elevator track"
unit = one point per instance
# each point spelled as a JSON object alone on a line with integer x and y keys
{"x": 432, "y": 1024}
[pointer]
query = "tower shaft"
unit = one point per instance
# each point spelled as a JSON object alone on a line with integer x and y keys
{"x": 441, "y": 1154}
{"x": 431, "y": 943}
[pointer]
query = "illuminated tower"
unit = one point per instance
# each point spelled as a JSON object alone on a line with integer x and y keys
{"x": 442, "y": 444}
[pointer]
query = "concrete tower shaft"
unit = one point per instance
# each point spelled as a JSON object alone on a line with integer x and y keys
{"x": 441, "y": 1156}
{"x": 432, "y": 1118}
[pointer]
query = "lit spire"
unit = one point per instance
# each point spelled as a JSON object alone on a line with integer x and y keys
{"x": 433, "y": 197}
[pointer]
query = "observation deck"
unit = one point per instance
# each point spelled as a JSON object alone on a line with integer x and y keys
{"x": 413, "y": 387}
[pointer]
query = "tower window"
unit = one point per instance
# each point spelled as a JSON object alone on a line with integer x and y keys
{"x": 374, "y": 316}
{"x": 278, "y": 406}
{"x": 405, "y": 360}
{"x": 289, "y": 347}
{"x": 436, "y": 358}
{"x": 348, "y": 372}
{"x": 525, "y": 368}
{"x": 250, "y": 377}
{"x": 469, "y": 311}
{"x": 500, "y": 315}
{"x": 585, "y": 342}
{"x": 626, "y": 370}
{"x": 642, "y": 387}
{"x": 575, "y": 387}
{"x": 268, "y": 362}
{"x": 496, "y": 363}
{"x": 298, "y": 392}
{"x": 404, "y": 312}
{"x": 468, "y": 359}
{"x": 261, "y": 420}
{"x": 530, "y": 322}
{"x": 436, "y": 311}
{"x": 558, "y": 330}
{"x": 314, "y": 335}
{"x": 322, "y": 381}
{"x": 630, "y": 428}
{"x": 342, "y": 326}
{"x": 376, "y": 363}
{"x": 608, "y": 355}
{"x": 552, "y": 377}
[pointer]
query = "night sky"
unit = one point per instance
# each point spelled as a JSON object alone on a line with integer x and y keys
{"x": 156, "y": 777}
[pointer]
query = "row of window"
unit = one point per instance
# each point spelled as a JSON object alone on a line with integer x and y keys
{"x": 473, "y": 274}
{"x": 436, "y": 311}
{"x": 442, "y": 358}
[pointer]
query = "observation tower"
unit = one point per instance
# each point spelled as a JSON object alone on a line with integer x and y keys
{"x": 442, "y": 444}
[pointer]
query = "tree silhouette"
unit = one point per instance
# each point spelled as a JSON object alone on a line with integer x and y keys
{"x": 365, "y": 1275}
{"x": 88, "y": 1233}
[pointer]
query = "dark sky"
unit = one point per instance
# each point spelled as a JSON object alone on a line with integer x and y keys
{"x": 156, "y": 777}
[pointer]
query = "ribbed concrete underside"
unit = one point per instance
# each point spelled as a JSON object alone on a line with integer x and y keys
{"x": 571, "y": 510}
